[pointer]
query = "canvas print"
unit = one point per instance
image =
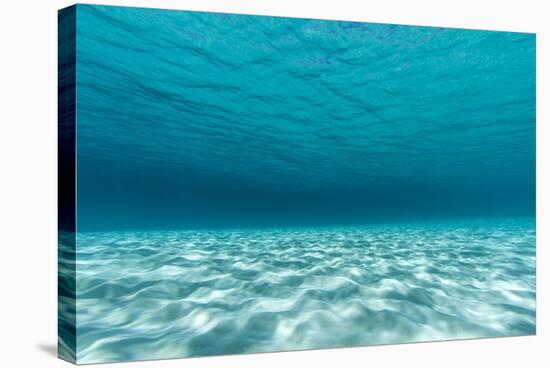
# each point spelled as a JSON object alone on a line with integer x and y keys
{"x": 236, "y": 184}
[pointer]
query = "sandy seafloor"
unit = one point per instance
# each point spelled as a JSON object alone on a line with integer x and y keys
{"x": 162, "y": 294}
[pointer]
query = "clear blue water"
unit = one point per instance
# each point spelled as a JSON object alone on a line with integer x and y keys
{"x": 252, "y": 184}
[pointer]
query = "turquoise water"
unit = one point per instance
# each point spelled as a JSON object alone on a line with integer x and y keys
{"x": 250, "y": 184}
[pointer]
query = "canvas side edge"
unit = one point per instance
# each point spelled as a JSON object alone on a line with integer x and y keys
{"x": 66, "y": 160}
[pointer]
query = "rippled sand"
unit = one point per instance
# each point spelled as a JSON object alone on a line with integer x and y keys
{"x": 147, "y": 295}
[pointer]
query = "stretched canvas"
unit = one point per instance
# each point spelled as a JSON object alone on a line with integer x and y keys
{"x": 238, "y": 184}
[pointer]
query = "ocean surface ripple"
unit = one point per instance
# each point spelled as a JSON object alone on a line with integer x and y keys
{"x": 224, "y": 120}
{"x": 162, "y": 294}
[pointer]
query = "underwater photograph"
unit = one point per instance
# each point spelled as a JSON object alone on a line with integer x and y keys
{"x": 234, "y": 184}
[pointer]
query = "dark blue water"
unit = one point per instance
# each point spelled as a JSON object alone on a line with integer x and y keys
{"x": 249, "y": 184}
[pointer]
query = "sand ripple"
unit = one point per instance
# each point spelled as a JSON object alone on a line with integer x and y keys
{"x": 144, "y": 295}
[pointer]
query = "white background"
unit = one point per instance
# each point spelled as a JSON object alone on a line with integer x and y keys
{"x": 28, "y": 141}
